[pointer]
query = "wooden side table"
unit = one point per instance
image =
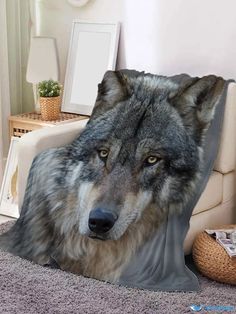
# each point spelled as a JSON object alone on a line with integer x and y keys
{"x": 27, "y": 122}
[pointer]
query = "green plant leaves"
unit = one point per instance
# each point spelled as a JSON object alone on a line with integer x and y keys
{"x": 49, "y": 88}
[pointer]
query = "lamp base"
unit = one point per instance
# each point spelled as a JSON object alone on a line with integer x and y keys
{"x": 36, "y": 99}
{"x": 37, "y": 108}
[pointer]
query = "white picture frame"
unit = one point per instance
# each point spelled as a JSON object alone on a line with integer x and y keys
{"x": 93, "y": 51}
{"x": 9, "y": 188}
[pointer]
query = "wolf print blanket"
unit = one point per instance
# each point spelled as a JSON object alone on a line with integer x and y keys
{"x": 115, "y": 203}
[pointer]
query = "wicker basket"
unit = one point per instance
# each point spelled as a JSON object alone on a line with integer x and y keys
{"x": 212, "y": 260}
{"x": 50, "y": 107}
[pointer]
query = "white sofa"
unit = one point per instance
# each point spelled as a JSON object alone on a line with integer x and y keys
{"x": 216, "y": 205}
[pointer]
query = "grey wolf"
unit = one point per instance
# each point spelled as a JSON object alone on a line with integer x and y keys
{"x": 92, "y": 204}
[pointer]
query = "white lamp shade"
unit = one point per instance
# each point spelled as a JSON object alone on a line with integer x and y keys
{"x": 43, "y": 61}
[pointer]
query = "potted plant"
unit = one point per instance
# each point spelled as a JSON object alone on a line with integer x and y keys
{"x": 49, "y": 99}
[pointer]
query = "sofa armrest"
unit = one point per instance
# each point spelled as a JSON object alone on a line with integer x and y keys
{"x": 33, "y": 143}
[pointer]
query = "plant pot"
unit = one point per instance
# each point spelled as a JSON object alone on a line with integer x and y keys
{"x": 50, "y": 107}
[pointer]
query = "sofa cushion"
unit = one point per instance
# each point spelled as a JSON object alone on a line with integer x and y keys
{"x": 212, "y": 195}
{"x": 225, "y": 161}
{"x": 229, "y": 190}
{"x": 223, "y": 214}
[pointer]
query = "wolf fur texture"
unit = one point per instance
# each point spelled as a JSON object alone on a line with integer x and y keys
{"x": 91, "y": 204}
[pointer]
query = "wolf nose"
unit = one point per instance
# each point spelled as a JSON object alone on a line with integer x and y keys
{"x": 101, "y": 220}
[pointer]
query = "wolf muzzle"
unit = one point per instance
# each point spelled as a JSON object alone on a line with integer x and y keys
{"x": 101, "y": 220}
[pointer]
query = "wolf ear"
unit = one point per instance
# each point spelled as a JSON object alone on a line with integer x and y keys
{"x": 195, "y": 101}
{"x": 113, "y": 89}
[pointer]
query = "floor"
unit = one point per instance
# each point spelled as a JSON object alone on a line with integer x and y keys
{"x": 5, "y": 219}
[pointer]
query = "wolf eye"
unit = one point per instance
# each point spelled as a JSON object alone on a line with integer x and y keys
{"x": 103, "y": 153}
{"x": 151, "y": 160}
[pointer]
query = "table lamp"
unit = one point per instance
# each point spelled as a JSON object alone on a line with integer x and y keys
{"x": 42, "y": 63}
